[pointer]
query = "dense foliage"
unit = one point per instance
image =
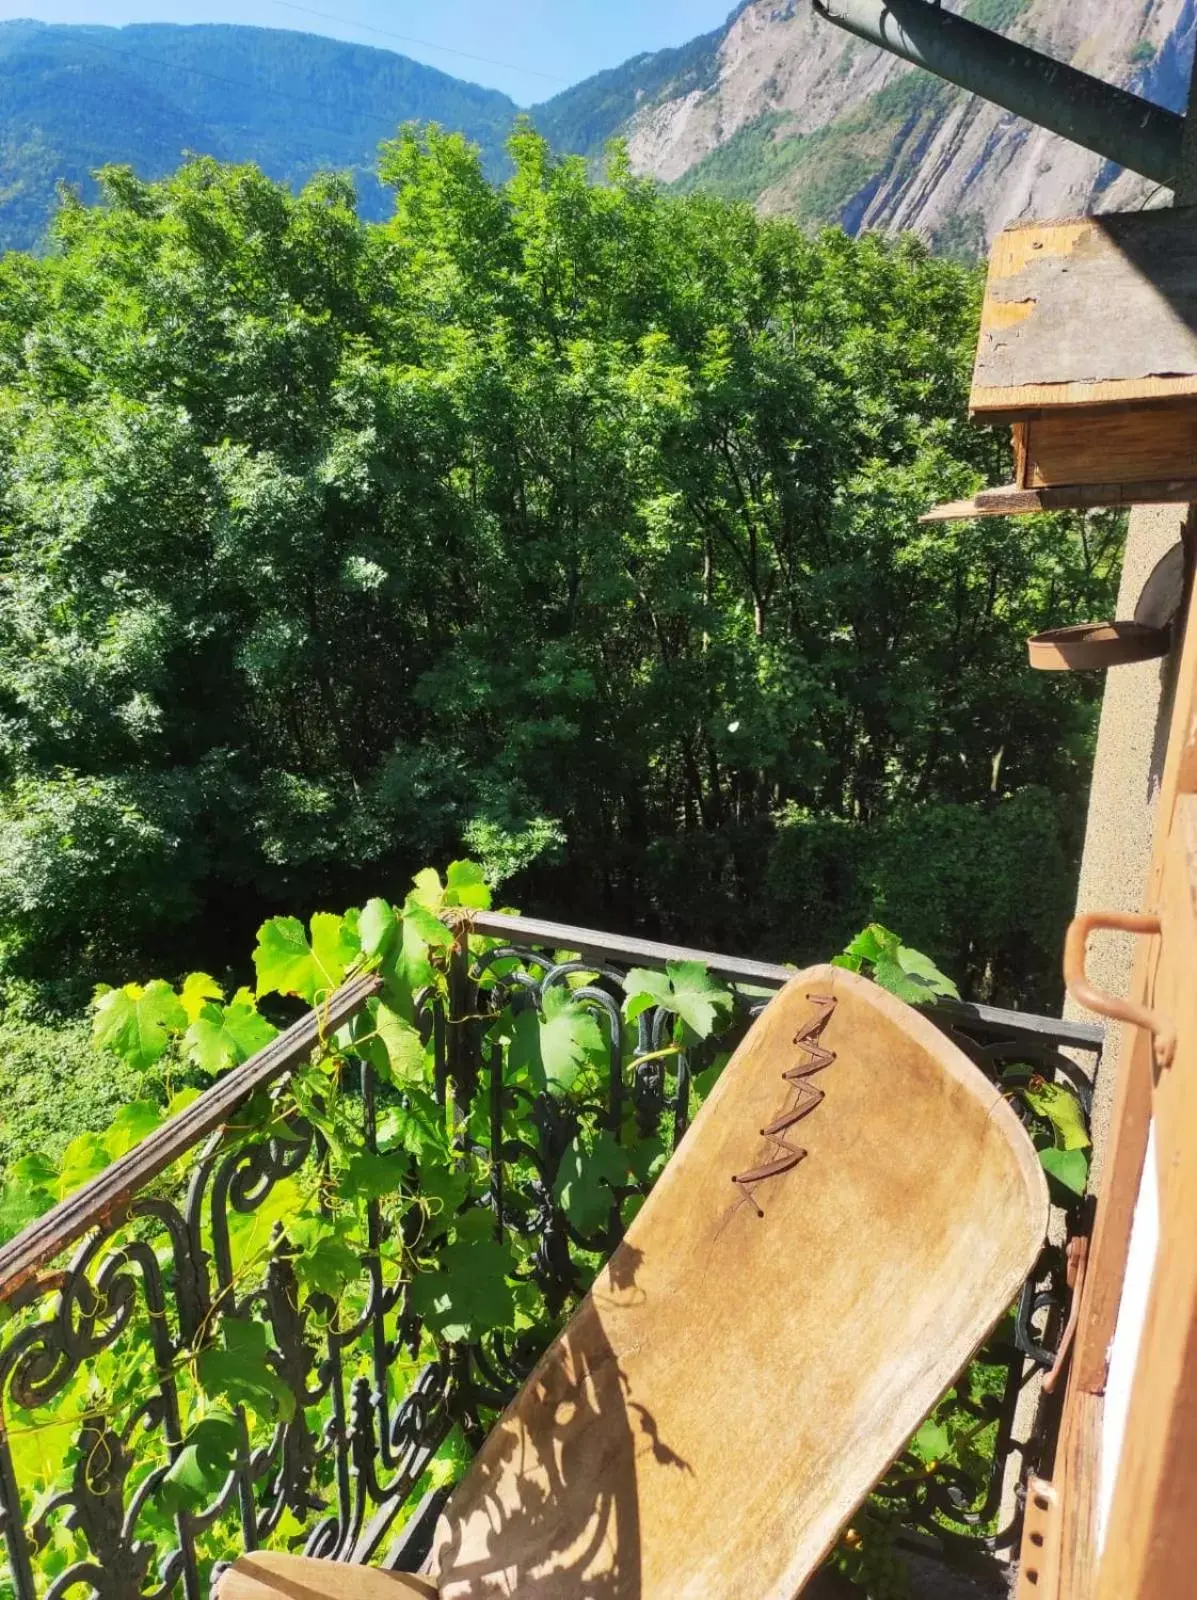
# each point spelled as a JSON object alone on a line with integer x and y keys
{"x": 76, "y": 98}
{"x": 576, "y": 523}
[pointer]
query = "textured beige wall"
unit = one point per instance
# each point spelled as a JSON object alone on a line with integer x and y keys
{"x": 1131, "y": 743}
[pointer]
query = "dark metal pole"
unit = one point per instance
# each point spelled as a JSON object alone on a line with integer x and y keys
{"x": 1114, "y": 123}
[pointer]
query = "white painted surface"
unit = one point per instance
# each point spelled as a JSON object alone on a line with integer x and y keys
{"x": 1124, "y": 1351}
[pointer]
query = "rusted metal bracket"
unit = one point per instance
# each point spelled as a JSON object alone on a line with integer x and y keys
{"x": 1160, "y": 1027}
{"x": 1078, "y": 1260}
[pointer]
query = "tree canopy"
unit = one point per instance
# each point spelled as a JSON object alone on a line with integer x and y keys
{"x": 574, "y": 524}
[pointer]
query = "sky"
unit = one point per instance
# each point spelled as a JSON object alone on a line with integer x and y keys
{"x": 531, "y": 49}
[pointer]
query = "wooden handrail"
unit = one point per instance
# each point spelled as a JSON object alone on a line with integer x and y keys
{"x": 589, "y": 942}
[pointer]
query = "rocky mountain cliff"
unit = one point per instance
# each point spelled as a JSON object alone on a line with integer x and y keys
{"x": 777, "y": 107}
{"x": 783, "y": 109}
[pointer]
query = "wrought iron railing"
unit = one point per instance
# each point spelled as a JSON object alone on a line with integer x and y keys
{"x": 179, "y": 1249}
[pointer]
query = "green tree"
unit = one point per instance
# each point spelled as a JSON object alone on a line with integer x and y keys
{"x": 576, "y": 522}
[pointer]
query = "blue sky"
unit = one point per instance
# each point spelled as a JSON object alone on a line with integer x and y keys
{"x": 532, "y": 48}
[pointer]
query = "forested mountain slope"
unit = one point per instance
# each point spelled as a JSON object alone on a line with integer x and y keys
{"x": 783, "y": 109}
{"x": 777, "y": 107}
{"x": 76, "y": 98}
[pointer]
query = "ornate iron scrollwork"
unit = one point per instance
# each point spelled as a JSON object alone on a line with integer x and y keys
{"x": 116, "y": 1329}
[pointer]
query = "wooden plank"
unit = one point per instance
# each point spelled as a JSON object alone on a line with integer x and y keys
{"x": 1131, "y": 444}
{"x": 272, "y": 1575}
{"x": 1151, "y": 1544}
{"x": 591, "y": 943}
{"x": 1077, "y": 1463}
{"x": 1092, "y": 310}
{"x": 756, "y": 1352}
{"x": 1013, "y": 501}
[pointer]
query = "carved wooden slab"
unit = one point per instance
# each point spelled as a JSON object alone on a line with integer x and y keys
{"x": 852, "y": 1211}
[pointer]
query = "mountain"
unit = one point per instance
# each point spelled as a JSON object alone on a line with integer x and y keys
{"x": 777, "y": 107}
{"x": 75, "y": 98}
{"x": 784, "y": 110}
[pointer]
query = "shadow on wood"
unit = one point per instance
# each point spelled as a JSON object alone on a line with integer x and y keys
{"x": 853, "y": 1209}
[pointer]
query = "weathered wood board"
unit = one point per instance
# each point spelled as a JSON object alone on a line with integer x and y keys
{"x": 1124, "y": 444}
{"x": 1092, "y": 311}
{"x": 773, "y": 1328}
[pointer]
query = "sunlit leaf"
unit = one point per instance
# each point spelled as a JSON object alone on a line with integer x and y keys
{"x": 238, "y": 1370}
{"x": 221, "y": 1037}
{"x": 138, "y": 1023}
{"x": 1068, "y": 1167}
{"x": 198, "y": 988}
{"x": 570, "y": 1040}
{"x": 1061, "y": 1107}
{"x": 591, "y": 1169}
{"x": 466, "y": 885}
{"x": 686, "y": 989}
{"x": 130, "y": 1126}
{"x": 283, "y": 959}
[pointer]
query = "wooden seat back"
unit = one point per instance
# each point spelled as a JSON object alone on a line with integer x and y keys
{"x": 774, "y": 1327}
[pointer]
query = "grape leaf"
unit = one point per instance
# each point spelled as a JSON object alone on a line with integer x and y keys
{"x": 466, "y": 885}
{"x": 181, "y": 1100}
{"x": 137, "y": 1023}
{"x": 590, "y": 1169}
{"x": 570, "y": 1040}
{"x": 130, "y": 1126}
{"x": 429, "y": 891}
{"x": 287, "y": 962}
{"x": 417, "y": 1126}
{"x": 368, "y": 1177}
{"x": 1069, "y": 1167}
{"x": 1062, "y": 1109}
{"x": 283, "y": 959}
{"x": 335, "y": 947}
{"x": 890, "y": 975}
{"x": 203, "y": 1465}
{"x": 82, "y": 1160}
{"x": 221, "y": 1037}
{"x": 932, "y": 1442}
{"x": 409, "y": 962}
{"x": 325, "y": 1259}
{"x": 916, "y": 965}
{"x": 442, "y": 1190}
{"x": 28, "y": 1191}
{"x": 685, "y": 988}
{"x": 238, "y": 1370}
{"x": 467, "y": 1294}
{"x": 198, "y": 988}
{"x": 402, "y": 1043}
{"x": 872, "y": 944}
{"x": 378, "y": 928}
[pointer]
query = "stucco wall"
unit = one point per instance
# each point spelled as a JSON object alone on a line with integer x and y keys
{"x": 1129, "y": 762}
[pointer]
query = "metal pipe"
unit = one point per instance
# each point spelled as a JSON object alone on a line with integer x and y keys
{"x": 1121, "y": 126}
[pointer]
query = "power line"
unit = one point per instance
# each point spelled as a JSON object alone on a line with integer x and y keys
{"x": 427, "y": 44}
